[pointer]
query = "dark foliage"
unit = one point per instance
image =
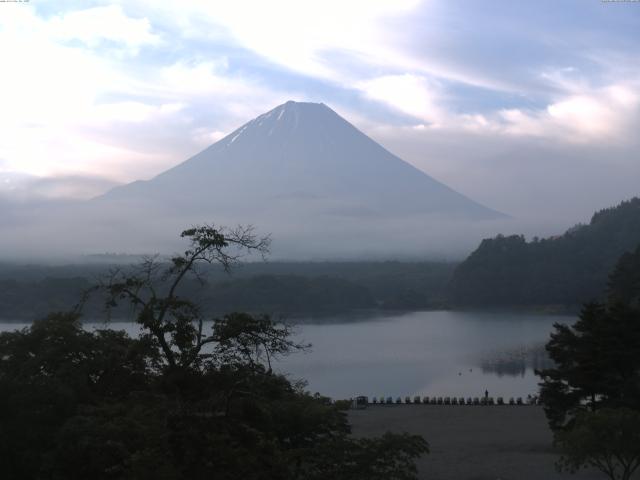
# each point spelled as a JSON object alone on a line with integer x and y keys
{"x": 558, "y": 271}
{"x": 597, "y": 363}
{"x": 624, "y": 282}
{"x": 182, "y": 401}
{"x": 49, "y": 373}
{"x": 607, "y": 439}
{"x": 597, "y": 360}
{"x": 592, "y": 395}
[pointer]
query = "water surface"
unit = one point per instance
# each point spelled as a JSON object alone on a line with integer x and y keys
{"x": 439, "y": 353}
{"x": 431, "y": 353}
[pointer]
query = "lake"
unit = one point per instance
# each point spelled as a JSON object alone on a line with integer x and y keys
{"x": 434, "y": 353}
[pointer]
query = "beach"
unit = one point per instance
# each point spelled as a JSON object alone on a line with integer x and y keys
{"x": 473, "y": 442}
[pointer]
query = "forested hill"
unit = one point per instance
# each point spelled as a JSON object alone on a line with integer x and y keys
{"x": 280, "y": 288}
{"x": 562, "y": 271}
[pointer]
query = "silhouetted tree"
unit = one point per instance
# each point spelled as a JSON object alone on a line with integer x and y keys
{"x": 624, "y": 281}
{"x": 607, "y": 439}
{"x": 50, "y": 373}
{"x": 597, "y": 360}
{"x": 180, "y": 401}
{"x": 173, "y": 321}
{"x": 592, "y": 394}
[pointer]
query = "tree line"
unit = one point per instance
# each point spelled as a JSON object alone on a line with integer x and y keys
{"x": 280, "y": 288}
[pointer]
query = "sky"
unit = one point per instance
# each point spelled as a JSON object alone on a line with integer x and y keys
{"x": 532, "y": 108}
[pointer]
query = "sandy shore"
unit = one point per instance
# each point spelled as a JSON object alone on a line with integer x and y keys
{"x": 472, "y": 442}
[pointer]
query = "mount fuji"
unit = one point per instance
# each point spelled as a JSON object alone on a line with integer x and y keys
{"x": 300, "y": 156}
{"x": 321, "y": 187}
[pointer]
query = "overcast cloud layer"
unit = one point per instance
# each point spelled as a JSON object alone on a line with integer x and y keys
{"x": 531, "y": 108}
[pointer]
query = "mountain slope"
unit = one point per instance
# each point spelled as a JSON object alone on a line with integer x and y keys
{"x": 566, "y": 270}
{"x": 322, "y": 188}
{"x": 300, "y": 154}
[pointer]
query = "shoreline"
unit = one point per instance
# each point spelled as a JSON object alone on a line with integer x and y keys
{"x": 329, "y": 317}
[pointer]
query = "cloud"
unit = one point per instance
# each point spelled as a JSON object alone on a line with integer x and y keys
{"x": 19, "y": 188}
{"x": 98, "y": 25}
{"x": 48, "y": 89}
{"x": 75, "y": 187}
{"x": 605, "y": 114}
{"x": 411, "y": 94}
{"x": 72, "y": 109}
{"x": 300, "y": 35}
{"x": 579, "y": 114}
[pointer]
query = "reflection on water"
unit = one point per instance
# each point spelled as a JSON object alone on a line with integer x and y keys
{"x": 426, "y": 353}
{"x": 420, "y": 353}
{"x": 516, "y": 361}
